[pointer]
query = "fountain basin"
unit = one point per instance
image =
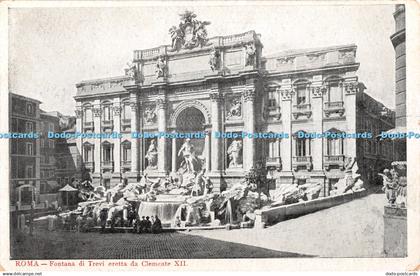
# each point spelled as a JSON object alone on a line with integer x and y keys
{"x": 165, "y": 210}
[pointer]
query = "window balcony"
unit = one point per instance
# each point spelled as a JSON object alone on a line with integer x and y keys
{"x": 88, "y": 126}
{"x": 301, "y": 110}
{"x": 107, "y": 165}
{"x": 107, "y": 125}
{"x": 334, "y": 107}
{"x": 331, "y": 161}
{"x": 302, "y": 162}
{"x": 273, "y": 162}
{"x": 126, "y": 164}
{"x": 126, "y": 124}
{"x": 89, "y": 165}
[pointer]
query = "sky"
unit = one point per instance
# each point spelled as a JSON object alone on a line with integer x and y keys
{"x": 52, "y": 49}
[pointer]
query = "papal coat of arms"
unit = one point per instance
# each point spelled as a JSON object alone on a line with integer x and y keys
{"x": 190, "y": 33}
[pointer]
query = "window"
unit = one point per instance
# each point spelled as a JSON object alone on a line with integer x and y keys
{"x": 29, "y": 127}
{"x": 334, "y": 147}
{"x": 87, "y": 116}
{"x": 302, "y": 145}
{"x": 107, "y": 152}
{"x": 334, "y": 92}
{"x": 29, "y": 149}
{"x": 51, "y": 127}
{"x": 15, "y": 127}
{"x": 107, "y": 114}
{"x": 126, "y": 111}
{"x": 87, "y": 153}
{"x": 29, "y": 109}
{"x": 301, "y": 95}
{"x": 273, "y": 148}
{"x": 29, "y": 171}
{"x": 126, "y": 152}
{"x": 272, "y": 99}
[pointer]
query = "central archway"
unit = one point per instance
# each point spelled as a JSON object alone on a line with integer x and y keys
{"x": 189, "y": 120}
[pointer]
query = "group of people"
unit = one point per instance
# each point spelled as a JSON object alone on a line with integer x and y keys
{"x": 148, "y": 225}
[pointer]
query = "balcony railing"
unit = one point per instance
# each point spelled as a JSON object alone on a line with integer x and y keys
{"x": 302, "y": 161}
{"x": 126, "y": 124}
{"x": 107, "y": 164}
{"x": 89, "y": 165}
{"x": 107, "y": 125}
{"x": 273, "y": 162}
{"x": 126, "y": 164}
{"x": 302, "y": 110}
{"x": 334, "y": 107}
{"x": 333, "y": 160}
{"x": 88, "y": 126}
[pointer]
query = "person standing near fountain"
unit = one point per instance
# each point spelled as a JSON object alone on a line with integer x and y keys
{"x": 157, "y": 226}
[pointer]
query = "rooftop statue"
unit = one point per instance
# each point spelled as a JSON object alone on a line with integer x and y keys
{"x": 190, "y": 33}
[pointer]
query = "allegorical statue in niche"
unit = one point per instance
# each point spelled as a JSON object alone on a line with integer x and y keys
{"x": 151, "y": 155}
{"x": 235, "y": 154}
{"x": 214, "y": 59}
{"x": 161, "y": 67}
{"x": 190, "y": 159}
{"x": 250, "y": 52}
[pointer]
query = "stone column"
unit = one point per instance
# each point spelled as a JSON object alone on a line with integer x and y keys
{"x": 117, "y": 142}
{"x": 97, "y": 112}
{"x": 216, "y": 126}
{"x": 134, "y": 141}
{"x": 351, "y": 88}
{"x": 207, "y": 141}
{"x": 162, "y": 141}
{"x": 286, "y": 117}
{"x": 317, "y": 152}
{"x": 174, "y": 155}
{"x": 79, "y": 141}
{"x": 249, "y": 127}
{"x": 286, "y": 175}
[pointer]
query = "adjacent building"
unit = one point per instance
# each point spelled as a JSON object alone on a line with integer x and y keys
{"x": 24, "y": 152}
{"x": 398, "y": 41}
{"x": 226, "y": 85}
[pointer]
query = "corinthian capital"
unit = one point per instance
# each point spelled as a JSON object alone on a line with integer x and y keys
{"x": 351, "y": 87}
{"x": 117, "y": 110}
{"x": 97, "y": 112}
{"x": 249, "y": 95}
{"x": 161, "y": 103}
{"x": 318, "y": 91}
{"x": 286, "y": 94}
{"x": 134, "y": 106}
{"x": 216, "y": 97}
{"x": 79, "y": 113}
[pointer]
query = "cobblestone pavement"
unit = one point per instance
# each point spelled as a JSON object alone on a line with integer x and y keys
{"x": 71, "y": 245}
{"x": 353, "y": 229}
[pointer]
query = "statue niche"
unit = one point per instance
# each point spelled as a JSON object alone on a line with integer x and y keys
{"x": 189, "y": 151}
{"x": 235, "y": 154}
{"x": 152, "y": 155}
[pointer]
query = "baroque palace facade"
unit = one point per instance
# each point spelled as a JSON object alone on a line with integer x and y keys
{"x": 225, "y": 84}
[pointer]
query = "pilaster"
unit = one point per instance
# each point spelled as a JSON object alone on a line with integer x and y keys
{"x": 286, "y": 94}
{"x": 249, "y": 127}
{"x": 317, "y": 91}
{"x": 163, "y": 157}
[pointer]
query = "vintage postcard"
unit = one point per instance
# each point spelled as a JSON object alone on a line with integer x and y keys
{"x": 184, "y": 136}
